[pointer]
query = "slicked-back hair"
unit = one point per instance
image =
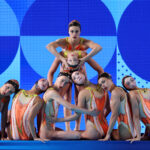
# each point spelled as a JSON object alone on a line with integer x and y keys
{"x": 74, "y": 23}
{"x": 123, "y": 82}
{"x": 105, "y": 75}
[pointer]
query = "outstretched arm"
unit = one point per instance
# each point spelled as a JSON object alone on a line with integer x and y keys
{"x": 69, "y": 118}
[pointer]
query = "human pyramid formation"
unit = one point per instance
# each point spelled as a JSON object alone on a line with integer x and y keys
{"x": 129, "y": 108}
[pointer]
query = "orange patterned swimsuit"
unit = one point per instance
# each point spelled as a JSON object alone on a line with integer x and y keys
{"x": 78, "y": 47}
{"x": 19, "y": 116}
{"x": 125, "y": 115}
{"x": 99, "y": 121}
{"x": 48, "y": 113}
{"x": 145, "y": 107}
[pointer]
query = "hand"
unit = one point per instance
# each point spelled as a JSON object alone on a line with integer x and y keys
{"x": 107, "y": 137}
{"x": 134, "y": 139}
{"x": 81, "y": 62}
{"x": 40, "y": 139}
{"x": 64, "y": 61}
{"x": 4, "y": 139}
{"x": 50, "y": 119}
{"x": 94, "y": 112}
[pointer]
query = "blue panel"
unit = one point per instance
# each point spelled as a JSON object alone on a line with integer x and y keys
{"x": 8, "y": 22}
{"x": 133, "y": 37}
{"x": 28, "y": 75}
{"x": 8, "y": 50}
{"x": 51, "y": 18}
{"x": 46, "y": 17}
{"x": 94, "y": 16}
{"x": 20, "y": 7}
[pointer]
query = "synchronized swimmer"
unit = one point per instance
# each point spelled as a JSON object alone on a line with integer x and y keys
{"x": 92, "y": 100}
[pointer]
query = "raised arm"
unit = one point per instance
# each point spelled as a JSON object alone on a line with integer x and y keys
{"x": 114, "y": 105}
{"x": 136, "y": 118}
{"x": 95, "y": 49}
{"x": 52, "y": 48}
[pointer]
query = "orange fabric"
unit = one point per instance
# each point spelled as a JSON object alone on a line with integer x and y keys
{"x": 78, "y": 47}
{"x": 147, "y": 103}
{"x": 123, "y": 118}
{"x": 20, "y": 110}
{"x": 100, "y": 103}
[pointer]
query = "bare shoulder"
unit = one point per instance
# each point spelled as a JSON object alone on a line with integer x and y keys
{"x": 58, "y": 42}
{"x": 134, "y": 96}
{"x": 50, "y": 94}
{"x": 133, "y": 93}
{"x": 38, "y": 99}
{"x": 61, "y": 41}
{"x": 116, "y": 92}
{"x": 86, "y": 40}
{"x": 84, "y": 93}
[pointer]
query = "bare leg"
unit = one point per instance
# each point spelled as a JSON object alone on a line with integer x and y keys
{"x": 67, "y": 112}
{"x": 62, "y": 135}
{"x": 77, "y": 124}
{"x": 46, "y": 133}
{"x": 91, "y": 133}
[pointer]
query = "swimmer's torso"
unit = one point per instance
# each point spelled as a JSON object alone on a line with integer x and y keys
{"x": 97, "y": 101}
{"x": 21, "y": 107}
{"x": 125, "y": 115}
{"x": 144, "y": 105}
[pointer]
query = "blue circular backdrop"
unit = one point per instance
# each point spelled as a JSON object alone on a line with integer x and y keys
{"x": 134, "y": 37}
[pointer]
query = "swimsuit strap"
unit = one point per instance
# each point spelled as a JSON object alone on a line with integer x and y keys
{"x": 65, "y": 54}
{"x": 91, "y": 93}
{"x": 28, "y": 95}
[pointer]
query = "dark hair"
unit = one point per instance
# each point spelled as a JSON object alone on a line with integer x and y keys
{"x": 14, "y": 83}
{"x": 64, "y": 74}
{"x": 106, "y": 75}
{"x": 36, "y": 85}
{"x": 74, "y": 23}
{"x": 128, "y": 97}
{"x": 16, "y": 92}
{"x": 123, "y": 82}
